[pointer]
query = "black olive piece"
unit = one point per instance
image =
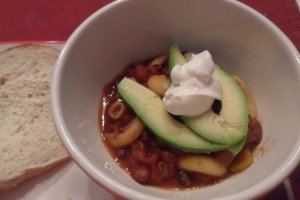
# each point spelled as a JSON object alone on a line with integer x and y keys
{"x": 217, "y": 106}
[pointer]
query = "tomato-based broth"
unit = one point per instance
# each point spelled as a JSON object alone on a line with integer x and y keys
{"x": 146, "y": 158}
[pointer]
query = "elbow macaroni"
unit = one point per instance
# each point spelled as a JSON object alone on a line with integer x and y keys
{"x": 132, "y": 131}
{"x": 116, "y": 110}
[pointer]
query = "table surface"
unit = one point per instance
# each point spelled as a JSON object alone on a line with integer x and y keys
{"x": 55, "y": 20}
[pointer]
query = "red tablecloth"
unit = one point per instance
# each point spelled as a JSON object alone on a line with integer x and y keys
{"x": 55, "y": 20}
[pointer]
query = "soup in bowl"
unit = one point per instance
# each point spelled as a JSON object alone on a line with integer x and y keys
{"x": 241, "y": 41}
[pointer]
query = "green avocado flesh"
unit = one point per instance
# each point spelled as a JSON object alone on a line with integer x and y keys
{"x": 175, "y": 56}
{"x": 237, "y": 147}
{"x": 231, "y": 125}
{"x": 150, "y": 109}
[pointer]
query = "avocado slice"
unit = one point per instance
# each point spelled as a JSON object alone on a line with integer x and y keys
{"x": 234, "y": 150}
{"x": 150, "y": 109}
{"x": 188, "y": 56}
{"x": 237, "y": 148}
{"x": 175, "y": 56}
{"x": 231, "y": 125}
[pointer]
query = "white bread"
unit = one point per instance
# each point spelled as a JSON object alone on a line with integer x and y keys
{"x": 29, "y": 144}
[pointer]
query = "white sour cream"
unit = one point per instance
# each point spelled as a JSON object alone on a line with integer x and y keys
{"x": 193, "y": 87}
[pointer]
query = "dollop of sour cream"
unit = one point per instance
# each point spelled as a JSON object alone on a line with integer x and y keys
{"x": 193, "y": 87}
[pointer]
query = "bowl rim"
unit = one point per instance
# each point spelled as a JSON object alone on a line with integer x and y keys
{"x": 118, "y": 189}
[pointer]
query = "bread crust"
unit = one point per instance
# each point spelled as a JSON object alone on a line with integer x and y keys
{"x": 29, "y": 145}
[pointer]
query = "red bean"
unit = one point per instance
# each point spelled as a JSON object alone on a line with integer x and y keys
{"x": 147, "y": 159}
{"x": 141, "y": 73}
{"x": 121, "y": 153}
{"x": 254, "y": 133}
{"x": 141, "y": 154}
{"x": 161, "y": 172}
{"x": 140, "y": 173}
{"x": 168, "y": 157}
{"x": 224, "y": 157}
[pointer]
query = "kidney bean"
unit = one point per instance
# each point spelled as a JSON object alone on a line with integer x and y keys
{"x": 224, "y": 157}
{"x": 141, "y": 73}
{"x": 147, "y": 159}
{"x": 121, "y": 153}
{"x": 254, "y": 133}
{"x": 140, "y": 173}
{"x": 141, "y": 154}
{"x": 168, "y": 157}
{"x": 161, "y": 172}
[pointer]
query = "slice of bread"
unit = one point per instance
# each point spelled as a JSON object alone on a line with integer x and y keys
{"x": 29, "y": 144}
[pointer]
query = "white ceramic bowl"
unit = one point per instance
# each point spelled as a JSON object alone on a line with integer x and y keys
{"x": 240, "y": 40}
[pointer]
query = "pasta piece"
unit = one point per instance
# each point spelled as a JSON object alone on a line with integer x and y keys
{"x": 158, "y": 84}
{"x": 159, "y": 60}
{"x": 251, "y": 101}
{"x": 132, "y": 78}
{"x": 116, "y": 110}
{"x": 202, "y": 164}
{"x": 132, "y": 131}
{"x": 241, "y": 162}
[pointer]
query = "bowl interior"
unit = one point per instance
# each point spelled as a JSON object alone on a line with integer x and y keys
{"x": 241, "y": 42}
